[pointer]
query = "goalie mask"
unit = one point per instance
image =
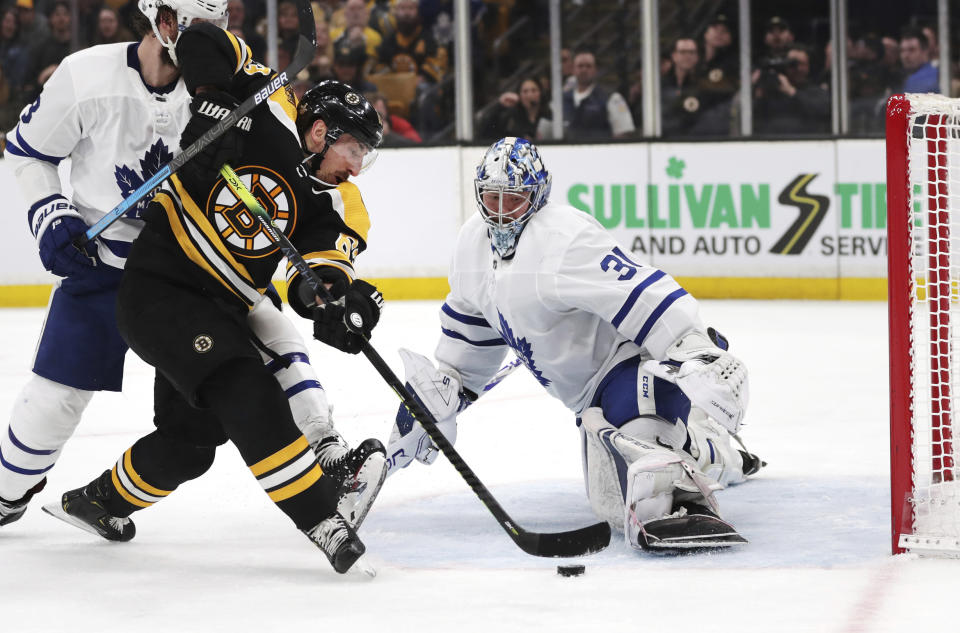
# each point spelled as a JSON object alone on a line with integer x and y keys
{"x": 187, "y": 11}
{"x": 354, "y": 127}
{"x": 511, "y": 185}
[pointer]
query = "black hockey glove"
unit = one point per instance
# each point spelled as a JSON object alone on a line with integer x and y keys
{"x": 303, "y": 298}
{"x": 362, "y": 303}
{"x": 207, "y": 108}
{"x": 329, "y": 328}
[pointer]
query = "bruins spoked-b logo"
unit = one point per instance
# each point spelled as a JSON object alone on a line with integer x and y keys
{"x": 237, "y": 226}
{"x": 203, "y": 343}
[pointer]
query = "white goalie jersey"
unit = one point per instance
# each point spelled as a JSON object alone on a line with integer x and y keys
{"x": 571, "y": 303}
{"x": 97, "y": 109}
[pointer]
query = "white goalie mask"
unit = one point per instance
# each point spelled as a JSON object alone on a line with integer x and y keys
{"x": 511, "y": 185}
{"x": 187, "y": 11}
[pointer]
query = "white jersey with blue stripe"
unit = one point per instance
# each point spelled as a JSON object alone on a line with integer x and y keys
{"x": 117, "y": 131}
{"x": 572, "y": 303}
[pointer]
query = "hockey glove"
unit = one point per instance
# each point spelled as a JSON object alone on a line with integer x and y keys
{"x": 362, "y": 303}
{"x": 715, "y": 380}
{"x": 329, "y": 328}
{"x": 207, "y": 108}
{"x": 436, "y": 391}
{"x": 303, "y": 298}
{"x": 56, "y": 224}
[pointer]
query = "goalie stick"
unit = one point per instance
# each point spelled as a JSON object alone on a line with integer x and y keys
{"x": 579, "y": 542}
{"x": 306, "y": 47}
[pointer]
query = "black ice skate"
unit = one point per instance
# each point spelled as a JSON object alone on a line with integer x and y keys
{"x": 338, "y": 541}
{"x": 84, "y": 509}
{"x": 360, "y": 471}
{"x": 751, "y": 463}
{"x": 10, "y": 511}
{"x": 691, "y": 526}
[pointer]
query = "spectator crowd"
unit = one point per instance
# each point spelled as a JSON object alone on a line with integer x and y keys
{"x": 399, "y": 53}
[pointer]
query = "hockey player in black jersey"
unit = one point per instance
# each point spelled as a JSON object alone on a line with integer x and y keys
{"x": 202, "y": 262}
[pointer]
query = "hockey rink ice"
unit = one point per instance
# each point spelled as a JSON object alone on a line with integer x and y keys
{"x": 218, "y": 556}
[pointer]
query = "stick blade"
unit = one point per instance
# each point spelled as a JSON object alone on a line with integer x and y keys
{"x": 588, "y": 540}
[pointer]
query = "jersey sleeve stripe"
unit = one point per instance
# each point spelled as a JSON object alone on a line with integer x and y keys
{"x": 327, "y": 256}
{"x": 39, "y": 203}
{"x": 657, "y": 312}
{"x": 634, "y": 296}
{"x": 347, "y": 269}
{"x": 22, "y": 148}
{"x": 464, "y": 318}
{"x": 237, "y": 50}
{"x": 118, "y": 247}
{"x": 461, "y": 337}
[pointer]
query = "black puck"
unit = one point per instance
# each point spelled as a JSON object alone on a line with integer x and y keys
{"x": 571, "y": 570}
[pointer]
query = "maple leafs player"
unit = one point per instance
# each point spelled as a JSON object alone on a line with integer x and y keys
{"x": 118, "y": 111}
{"x": 619, "y": 342}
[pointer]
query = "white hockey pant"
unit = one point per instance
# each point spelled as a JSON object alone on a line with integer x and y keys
{"x": 44, "y": 417}
{"x": 308, "y": 400}
{"x": 631, "y": 481}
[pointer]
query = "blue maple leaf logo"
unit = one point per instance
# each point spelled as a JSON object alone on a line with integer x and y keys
{"x": 129, "y": 180}
{"x": 523, "y": 350}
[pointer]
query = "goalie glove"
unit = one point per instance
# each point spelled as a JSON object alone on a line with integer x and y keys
{"x": 715, "y": 380}
{"x": 436, "y": 391}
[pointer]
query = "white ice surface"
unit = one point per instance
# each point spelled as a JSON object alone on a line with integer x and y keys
{"x": 218, "y": 556}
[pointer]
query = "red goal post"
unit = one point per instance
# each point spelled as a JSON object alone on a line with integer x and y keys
{"x": 923, "y": 228}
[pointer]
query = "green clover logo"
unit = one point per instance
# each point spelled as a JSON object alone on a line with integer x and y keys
{"x": 675, "y": 167}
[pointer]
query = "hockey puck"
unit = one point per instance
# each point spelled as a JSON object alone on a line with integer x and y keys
{"x": 571, "y": 570}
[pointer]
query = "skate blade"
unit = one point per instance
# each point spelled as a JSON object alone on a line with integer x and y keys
{"x": 354, "y": 505}
{"x": 56, "y": 510}
{"x": 361, "y": 568}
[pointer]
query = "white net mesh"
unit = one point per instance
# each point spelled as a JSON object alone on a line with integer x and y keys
{"x": 934, "y": 170}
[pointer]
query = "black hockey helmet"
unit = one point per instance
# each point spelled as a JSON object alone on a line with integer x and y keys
{"x": 344, "y": 110}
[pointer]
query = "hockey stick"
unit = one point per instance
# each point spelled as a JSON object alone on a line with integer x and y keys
{"x": 306, "y": 48}
{"x": 558, "y": 544}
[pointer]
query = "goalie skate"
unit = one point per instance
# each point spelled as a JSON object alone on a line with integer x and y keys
{"x": 691, "y": 526}
{"x": 361, "y": 471}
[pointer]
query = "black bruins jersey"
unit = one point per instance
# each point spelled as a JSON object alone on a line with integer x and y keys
{"x": 209, "y": 239}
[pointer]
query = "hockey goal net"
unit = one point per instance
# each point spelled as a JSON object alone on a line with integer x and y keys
{"x": 923, "y": 207}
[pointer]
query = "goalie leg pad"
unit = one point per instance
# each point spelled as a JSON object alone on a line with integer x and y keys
{"x": 610, "y": 459}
